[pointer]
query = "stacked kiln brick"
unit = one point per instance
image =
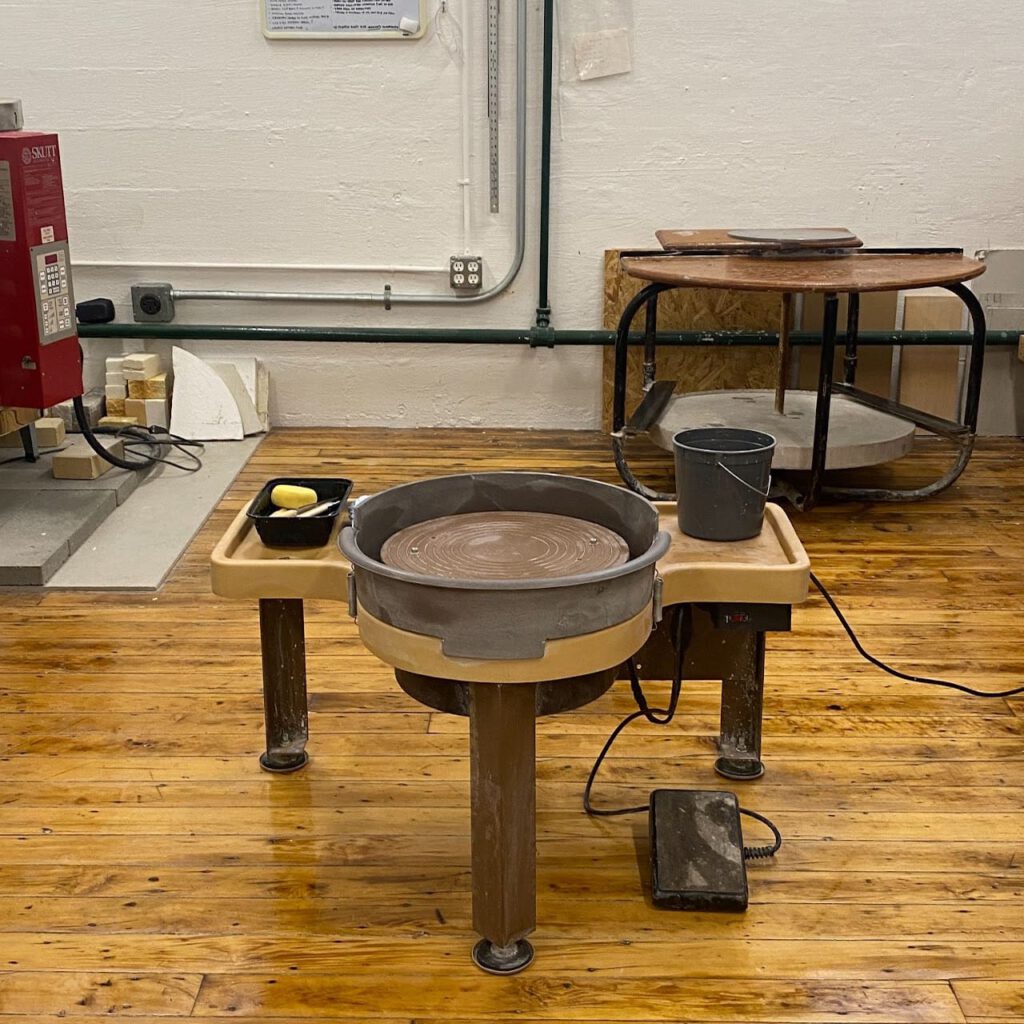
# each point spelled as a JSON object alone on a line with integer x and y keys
{"x": 137, "y": 391}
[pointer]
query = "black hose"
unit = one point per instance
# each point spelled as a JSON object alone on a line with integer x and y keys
{"x": 93, "y": 442}
{"x": 155, "y": 441}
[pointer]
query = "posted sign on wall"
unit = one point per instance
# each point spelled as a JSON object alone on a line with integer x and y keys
{"x": 344, "y": 19}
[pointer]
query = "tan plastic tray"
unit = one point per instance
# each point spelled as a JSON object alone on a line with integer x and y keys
{"x": 243, "y": 566}
{"x": 770, "y": 569}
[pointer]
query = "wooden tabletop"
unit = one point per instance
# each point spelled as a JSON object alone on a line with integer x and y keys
{"x": 719, "y": 238}
{"x": 858, "y": 272}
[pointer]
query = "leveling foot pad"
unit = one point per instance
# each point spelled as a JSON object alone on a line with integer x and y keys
{"x": 283, "y": 767}
{"x": 503, "y": 959}
{"x": 697, "y": 851}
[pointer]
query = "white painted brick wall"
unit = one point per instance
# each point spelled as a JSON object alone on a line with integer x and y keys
{"x": 188, "y": 136}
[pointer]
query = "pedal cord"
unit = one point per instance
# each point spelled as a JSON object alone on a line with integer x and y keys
{"x": 663, "y": 716}
{"x": 150, "y": 446}
{"x": 878, "y": 663}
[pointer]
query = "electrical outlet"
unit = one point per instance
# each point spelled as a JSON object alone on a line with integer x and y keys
{"x": 152, "y": 303}
{"x": 467, "y": 273}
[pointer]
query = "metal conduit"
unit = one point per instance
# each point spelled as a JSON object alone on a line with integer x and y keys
{"x": 481, "y": 336}
{"x": 387, "y": 298}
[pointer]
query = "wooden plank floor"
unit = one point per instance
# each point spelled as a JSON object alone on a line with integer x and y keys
{"x": 149, "y": 870}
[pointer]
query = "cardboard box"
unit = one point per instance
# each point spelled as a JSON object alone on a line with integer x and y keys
{"x": 80, "y": 462}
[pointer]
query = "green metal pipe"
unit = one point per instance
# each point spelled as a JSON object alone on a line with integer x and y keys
{"x": 470, "y": 336}
{"x": 543, "y": 316}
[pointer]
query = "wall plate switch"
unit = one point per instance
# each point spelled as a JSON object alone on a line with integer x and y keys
{"x": 152, "y": 303}
{"x": 467, "y": 273}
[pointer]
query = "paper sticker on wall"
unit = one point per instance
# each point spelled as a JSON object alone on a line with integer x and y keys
{"x": 343, "y": 19}
{"x": 600, "y": 54}
{"x": 596, "y": 38}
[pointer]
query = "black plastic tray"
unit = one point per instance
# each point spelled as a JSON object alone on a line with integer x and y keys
{"x": 314, "y": 532}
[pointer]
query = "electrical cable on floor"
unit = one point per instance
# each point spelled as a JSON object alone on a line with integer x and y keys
{"x": 151, "y": 444}
{"x": 663, "y": 716}
{"x": 878, "y": 663}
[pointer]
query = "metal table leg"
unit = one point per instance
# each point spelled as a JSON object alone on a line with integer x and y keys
{"x": 502, "y": 726}
{"x": 283, "y": 642}
{"x": 739, "y": 746}
{"x": 823, "y": 408}
{"x": 852, "y": 331}
{"x": 961, "y": 432}
{"x": 648, "y": 298}
{"x": 30, "y": 442}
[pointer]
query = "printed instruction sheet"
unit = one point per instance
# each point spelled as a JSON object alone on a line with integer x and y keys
{"x": 319, "y": 19}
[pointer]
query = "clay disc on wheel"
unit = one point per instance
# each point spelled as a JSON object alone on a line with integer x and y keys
{"x": 504, "y": 546}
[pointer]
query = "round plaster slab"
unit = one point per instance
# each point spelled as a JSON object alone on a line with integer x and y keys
{"x": 858, "y": 436}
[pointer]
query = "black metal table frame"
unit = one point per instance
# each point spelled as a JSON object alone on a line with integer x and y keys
{"x": 961, "y": 433}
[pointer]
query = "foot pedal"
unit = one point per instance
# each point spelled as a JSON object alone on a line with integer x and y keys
{"x": 697, "y": 851}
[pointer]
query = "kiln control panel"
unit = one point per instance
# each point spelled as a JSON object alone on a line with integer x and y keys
{"x": 56, "y": 306}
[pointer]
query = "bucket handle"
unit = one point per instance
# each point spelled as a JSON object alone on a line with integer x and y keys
{"x": 749, "y": 486}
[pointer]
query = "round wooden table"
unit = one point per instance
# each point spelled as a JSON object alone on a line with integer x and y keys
{"x": 714, "y": 259}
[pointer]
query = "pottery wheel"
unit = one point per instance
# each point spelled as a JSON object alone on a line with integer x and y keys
{"x": 504, "y": 546}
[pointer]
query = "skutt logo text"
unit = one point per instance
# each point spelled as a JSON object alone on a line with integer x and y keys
{"x": 32, "y": 153}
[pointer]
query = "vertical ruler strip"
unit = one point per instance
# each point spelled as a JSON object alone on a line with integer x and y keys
{"x": 493, "y": 94}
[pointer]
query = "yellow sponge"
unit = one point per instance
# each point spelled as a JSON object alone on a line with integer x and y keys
{"x": 289, "y": 496}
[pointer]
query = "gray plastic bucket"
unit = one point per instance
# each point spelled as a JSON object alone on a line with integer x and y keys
{"x": 722, "y": 479}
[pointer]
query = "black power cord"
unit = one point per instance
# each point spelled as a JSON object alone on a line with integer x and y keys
{"x": 662, "y": 716}
{"x": 150, "y": 444}
{"x": 878, "y": 663}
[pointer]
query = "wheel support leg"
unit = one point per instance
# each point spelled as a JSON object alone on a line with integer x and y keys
{"x": 283, "y": 641}
{"x": 502, "y": 727}
{"x": 742, "y": 708}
